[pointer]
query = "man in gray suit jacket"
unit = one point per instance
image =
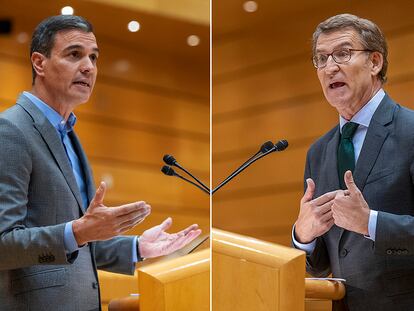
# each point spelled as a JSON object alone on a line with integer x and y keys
{"x": 55, "y": 230}
{"x": 356, "y": 216}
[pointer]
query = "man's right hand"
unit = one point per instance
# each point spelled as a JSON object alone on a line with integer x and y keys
{"x": 102, "y": 223}
{"x": 315, "y": 216}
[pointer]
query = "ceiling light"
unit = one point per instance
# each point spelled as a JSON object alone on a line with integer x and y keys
{"x": 108, "y": 179}
{"x": 22, "y": 37}
{"x": 193, "y": 40}
{"x": 67, "y": 10}
{"x": 133, "y": 26}
{"x": 250, "y": 6}
{"x": 122, "y": 65}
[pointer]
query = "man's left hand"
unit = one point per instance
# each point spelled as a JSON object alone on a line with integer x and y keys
{"x": 350, "y": 210}
{"x": 156, "y": 242}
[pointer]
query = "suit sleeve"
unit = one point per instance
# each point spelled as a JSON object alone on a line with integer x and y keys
{"x": 115, "y": 255}
{"x": 317, "y": 262}
{"x": 394, "y": 234}
{"x": 21, "y": 246}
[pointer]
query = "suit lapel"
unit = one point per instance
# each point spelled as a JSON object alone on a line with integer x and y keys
{"x": 54, "y": 143}
{"x": 90, "y": 184}
{"x": 374, "y": 140}
{"x": 331, "y": 162}
{"x": 332, "y": 180}
{"x": 376, "y": 135}
{"x": 371, "y": 148}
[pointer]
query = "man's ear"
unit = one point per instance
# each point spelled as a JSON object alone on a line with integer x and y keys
{"x": 38, "y": 62}
{"x": 377, "y": 61}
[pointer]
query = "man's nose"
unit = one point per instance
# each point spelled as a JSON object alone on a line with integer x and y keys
{"x": 331, "y": 65}
{"x": 87, "y": 65}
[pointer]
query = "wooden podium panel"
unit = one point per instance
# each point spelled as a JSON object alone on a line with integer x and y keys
{"x": 116, "y": 286}
{"x": 178, "y": 284}
{"x": 249, "y": 274}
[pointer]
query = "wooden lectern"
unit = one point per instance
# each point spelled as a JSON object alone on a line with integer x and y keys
{"x": 250, "y": 274}
{"x": 178, "y": 284}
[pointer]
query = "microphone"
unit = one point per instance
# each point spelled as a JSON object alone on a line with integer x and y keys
{"x": 281, "y": 145}
{"x": 265, "y": 149}
{"x": 169, "y": 171}
{"x": 266, "y": 146}
{"x": 170, "y": 160}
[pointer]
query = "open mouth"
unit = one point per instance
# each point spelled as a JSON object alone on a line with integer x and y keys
{"x": 82, "y": 83}
{"x": 336, "y": 85}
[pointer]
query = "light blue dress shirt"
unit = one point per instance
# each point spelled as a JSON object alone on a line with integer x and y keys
{"x": 63, "y": 128}
{"x": 363, "y": 118}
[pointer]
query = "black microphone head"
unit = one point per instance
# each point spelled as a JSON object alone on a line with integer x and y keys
{"x": 167, "y": 170}
{"x": 267, "y": 146}
{"x": 281, "y": 145}
{"x": 169, "y": 159}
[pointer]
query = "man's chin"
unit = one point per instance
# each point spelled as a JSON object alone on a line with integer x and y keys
{"x": 75, "y": 103}
{"x": 337, "y": 101}
{"x": 82, "y": 99}
{"x": 83, "y": 102}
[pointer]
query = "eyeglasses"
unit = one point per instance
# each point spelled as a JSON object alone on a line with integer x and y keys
{"x": 339, "y": 56}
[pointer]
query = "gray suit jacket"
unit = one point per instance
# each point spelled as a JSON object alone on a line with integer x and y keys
{"x": 379, "y": 275}
{"x": 38, "y": 195}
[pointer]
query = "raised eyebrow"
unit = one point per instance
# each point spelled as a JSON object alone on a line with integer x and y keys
{"x": 339, "y": 46}
{"x": 73, "y": 47}
{"x": 78, "y": 47}
{"x": 343, "y": 45}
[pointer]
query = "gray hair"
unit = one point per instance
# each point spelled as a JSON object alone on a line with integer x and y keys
{"x": 43, "y": 38}
{"x": 371, "y": 36}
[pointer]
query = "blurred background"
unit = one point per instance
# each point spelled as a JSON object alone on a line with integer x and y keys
{"x": 151, "y": 98}
{"x": 266, "y": 88}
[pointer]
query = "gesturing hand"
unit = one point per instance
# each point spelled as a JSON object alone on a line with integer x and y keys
{"x": 102, "y": 223}
{"x": 156, "y": 242}
{"x": 350, "y": 210}
{"x": 315, "y": 216}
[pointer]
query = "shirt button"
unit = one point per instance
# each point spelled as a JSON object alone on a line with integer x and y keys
{"x": 343, "y": 252}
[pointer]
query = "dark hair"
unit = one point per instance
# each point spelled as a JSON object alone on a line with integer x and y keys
{"x": 371, "y": 36}
{"x": 43, "y": 38}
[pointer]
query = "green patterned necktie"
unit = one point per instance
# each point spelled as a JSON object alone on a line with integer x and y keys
{"x": 346, "y": 155}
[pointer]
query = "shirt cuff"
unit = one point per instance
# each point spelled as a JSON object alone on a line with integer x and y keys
{"x": 372, "y": 224}
{"x": 69, "y": 239}
{"x": 307, "y": 247}
{"x": 135, "y": 249}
